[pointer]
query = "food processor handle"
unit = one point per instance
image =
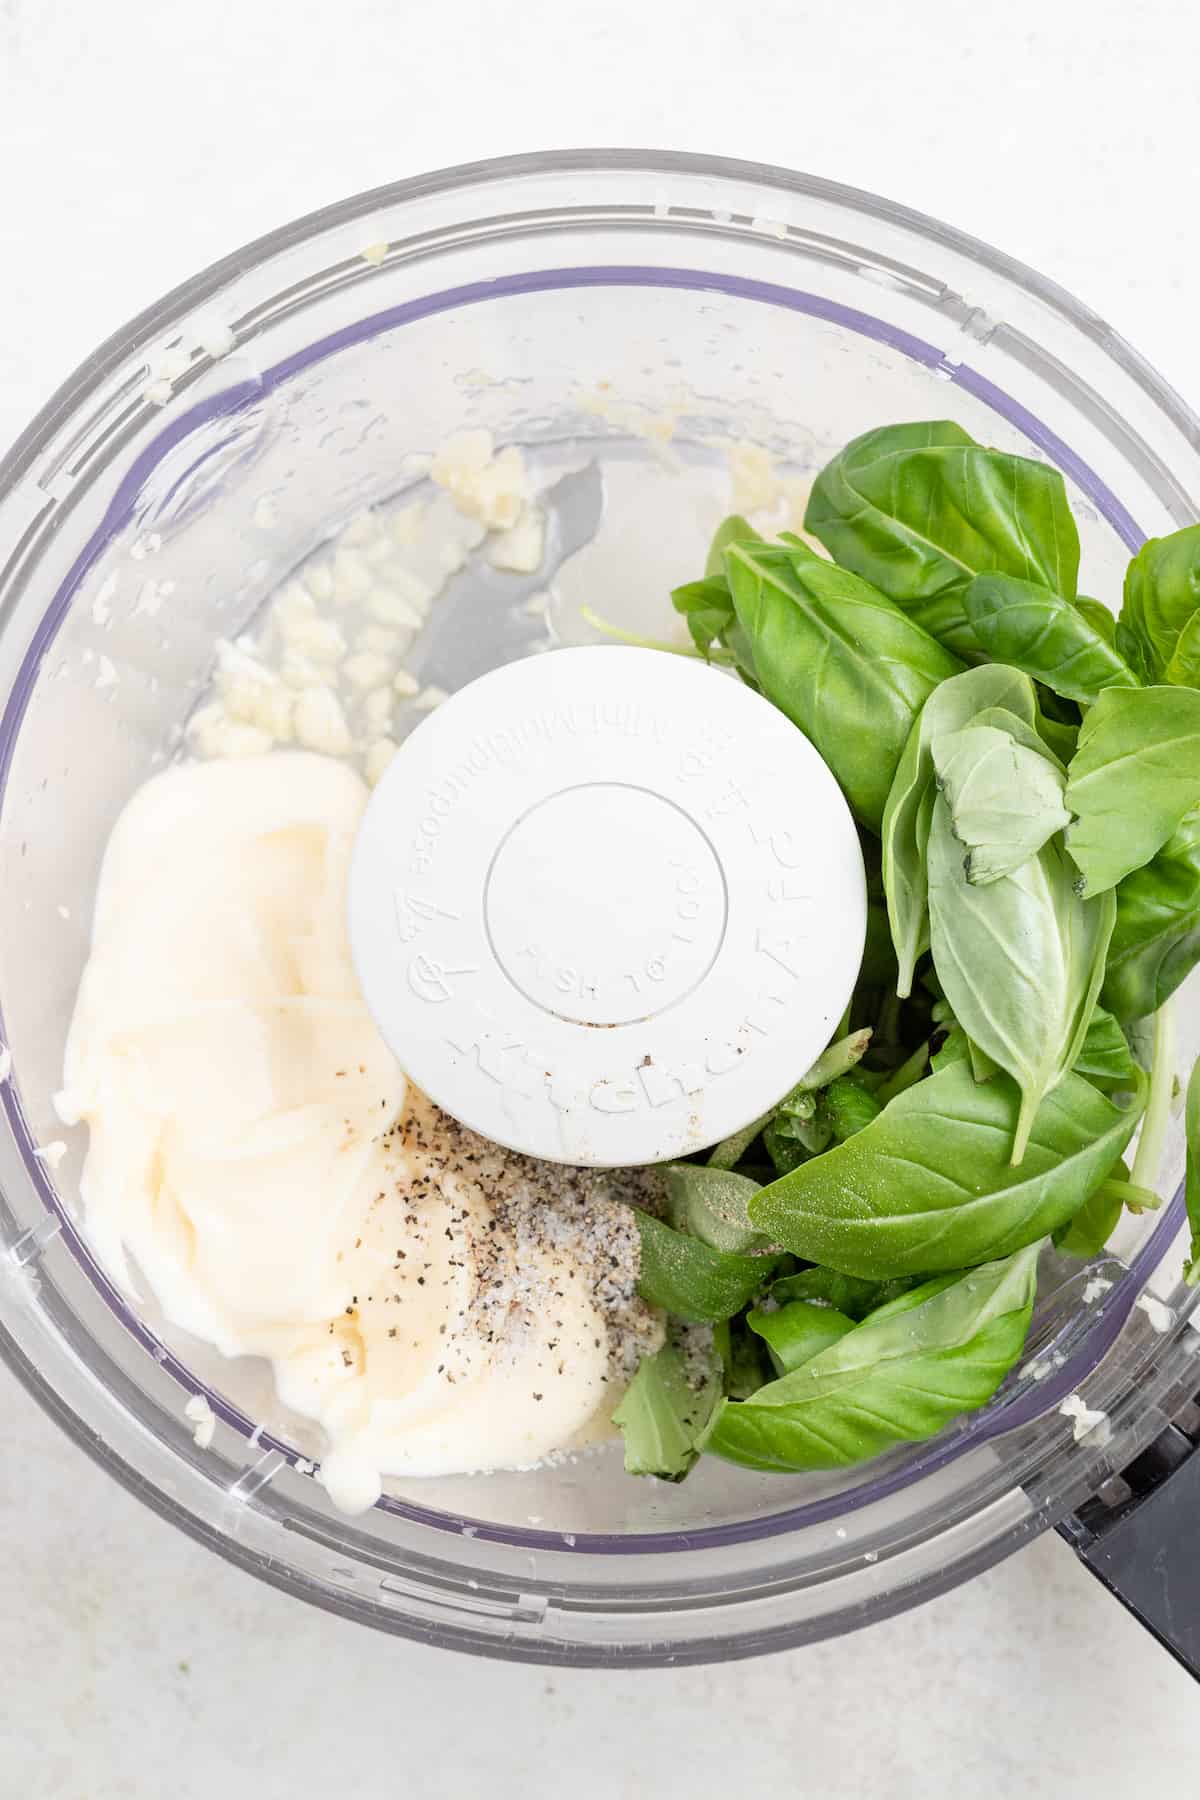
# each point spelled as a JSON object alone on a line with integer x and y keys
{"x": 1138, "y": 1536}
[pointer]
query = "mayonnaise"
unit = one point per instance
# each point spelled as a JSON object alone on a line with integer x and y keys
{"x": 255, "y": 1162}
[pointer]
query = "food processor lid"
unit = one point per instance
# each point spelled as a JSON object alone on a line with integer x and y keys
{"x": 607, "y": 905}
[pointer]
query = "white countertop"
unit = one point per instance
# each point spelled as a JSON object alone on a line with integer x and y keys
{"x": 141, "y": 141}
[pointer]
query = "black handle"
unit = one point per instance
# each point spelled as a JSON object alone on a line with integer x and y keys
{"x": 1139, "y": 1537}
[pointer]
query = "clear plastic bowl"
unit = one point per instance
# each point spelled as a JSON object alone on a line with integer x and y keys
{"x": 741, "y": 300}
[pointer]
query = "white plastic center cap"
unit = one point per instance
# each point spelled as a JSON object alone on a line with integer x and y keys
{"x": 607, "y": 905}
{"x": 646, "y": 904}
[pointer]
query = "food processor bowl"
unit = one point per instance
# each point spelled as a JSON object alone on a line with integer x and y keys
{"x": 599, "y": 308}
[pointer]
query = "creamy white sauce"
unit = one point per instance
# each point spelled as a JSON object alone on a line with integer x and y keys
{"x": 246, "y": 1162}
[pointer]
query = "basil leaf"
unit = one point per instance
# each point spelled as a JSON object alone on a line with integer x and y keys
{"x": 847, "y": 1107}
{"x": 919, "y": 510}
{"x": 1134, "y": 776}
{"x": 666, "y": 1409}
{"x": 795, "y": 1333}
{"x": 896, "y": 1378}
{"x": 745, "y": 1365}
{"x": 691, "y": 1280}
{"x": 833, "y": 1061}
{"x": 928, "y": 1185}
{"x": 733, "y": 530}
{"x": 784, "y": 1147}
{"x": 913, "y": 1069}
{"x": 1162, "y": 593}
{"x": 1183, "y": 670}
{"x": 1005, "y": 799}
{"x": 713, "y": 1205}
{"x": 1191, "y": 1125}
{"x": 1021, "y": 961}
{"x": 1156, "y": 939}
{"x": 844, "y": 664}
{"x": 1037, "y": 630}
{"x": 1087, "y": 1233}
{"x": 1102, "y": 622}
{"x": 849, "y": 1294}
{"x": 708, "y": 609}
{"x": 1105, "y": 1055}
{"x": 956, "y": 1049}
{"x": 910, "y": 799}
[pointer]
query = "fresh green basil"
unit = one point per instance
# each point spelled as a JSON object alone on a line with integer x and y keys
{"x": 833, "y": 1061}
{"x": 899, "y": 1377}
{"x": 929, "y": 1186}
{"x": 795, "y": 1333}
{"x": 1104, "y": 1055}
{"x": 913, "y": 1069}
{"x": 733, "y": 530}
{"x": 1183, "y": 670}
{"x": 1035, "y": 629}
{"x": 955, "y": 1048}
{"x": 847, "y": 1106}
{"x": 919, "y": 510}
{"x": 1156, "y": 939}
{"x": 691, "y": 1280}
{"x": 850, "y": 1294}
{"x": 713, "y": 1205}
{"x": 841, "y": 661}
{"x": 1134, "y": 776}
{"x": 955, "y": 704}
{"x": 1021, "y": 961}
{"x": 784, "y": 1147}
{"x": 1005, "y": 799}
{"x": 745, "y": 1365}
{"x": 707, "y": 607}
{"x": 1086, "y": 1234}
{"x": 1098, "y": 616}
{"x": 1191, "y": 1187}
{"x": 666, "y": 1410}
{"x": 1162, "y": 595}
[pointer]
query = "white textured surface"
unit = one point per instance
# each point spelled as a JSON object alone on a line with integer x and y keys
{"x": 140, "y": 142}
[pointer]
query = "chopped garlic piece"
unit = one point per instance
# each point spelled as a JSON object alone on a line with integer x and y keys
{"x": 293, "y": 603}
{"x": 366, "y": 670}
{"x": 1089, "y": 1423}
{"x": 407, "y": 524}
{"x": 521, "y": 547}
{"x": 374, "y": 254}
{"x": 429, "y": 697}
{"x": 755, "y": 485}
{"x": 379, "y": 755}
{"x": 319, "y": 581}
{"x": 484, "y": 483}
{"x": 1160, "y": 1315}
{"x": 378, "y": 712}
{"x": 215, "y": 339}
{"x": 352, "y": 576}
{"x": 321, "y": 639}
{"x": 362, "y": 529}
{"x": 203, "y": 1418}
{"x": 214, "y": 733}
{"x": 320, "y": 723}
{"x": 300, "y": 671}
{"x": 406, "y": 684}
{"x": 389, "y": 607}
{"x": 380, "y": 639}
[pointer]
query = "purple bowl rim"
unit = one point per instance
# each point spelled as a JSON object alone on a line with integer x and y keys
{"x": 993, "y": 1420}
